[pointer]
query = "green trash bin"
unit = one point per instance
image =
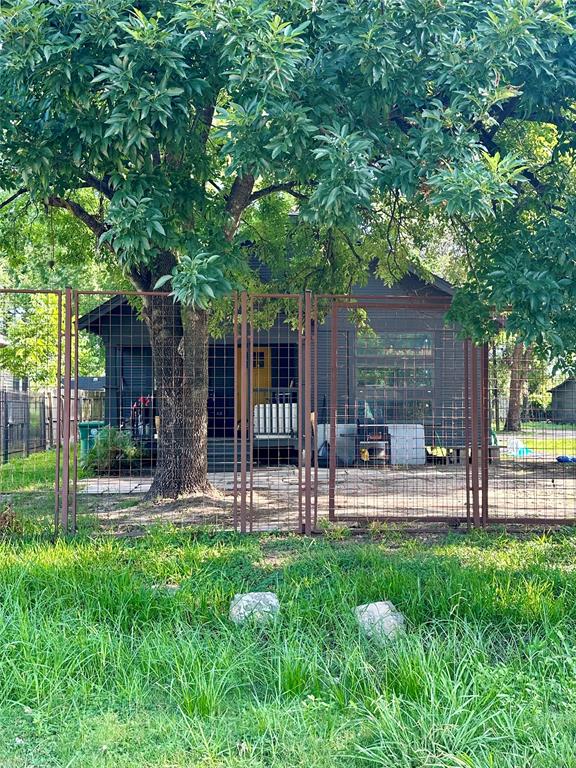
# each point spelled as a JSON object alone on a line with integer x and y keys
{"x": 88, "y": 432}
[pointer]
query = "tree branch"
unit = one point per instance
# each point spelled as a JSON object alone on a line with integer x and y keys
{"x": 101, "y": 186}
{"x": 238, "y": 200}
{"x": 94, "y": 224}
{"x": 287, "y": 187}
{"x": 205, "y": 117}
{"x": 13, "y": 197}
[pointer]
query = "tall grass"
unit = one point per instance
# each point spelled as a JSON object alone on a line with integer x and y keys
{"x": 98, "y": 668}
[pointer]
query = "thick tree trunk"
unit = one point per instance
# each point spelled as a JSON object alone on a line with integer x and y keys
{"x": 521, "y": 359}
{"x": 179, "y": 340}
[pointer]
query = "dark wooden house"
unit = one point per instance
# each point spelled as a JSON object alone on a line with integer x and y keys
{"x": 403, "y": 370}
{"x": 563, "y": 405}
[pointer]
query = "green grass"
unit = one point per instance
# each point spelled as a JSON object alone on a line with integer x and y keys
{"x": 97, "y": 668}
{"x": 31, "y": 473}
{"x": 557, "y": 444}
{"x": 558, "y": 439}
{"x": 27, "y": 488}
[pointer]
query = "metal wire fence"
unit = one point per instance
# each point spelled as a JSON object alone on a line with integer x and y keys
{"x": 275, "y": 412}
{"x": 533, "y": 438}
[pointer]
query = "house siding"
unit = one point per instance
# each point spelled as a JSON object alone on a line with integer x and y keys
{"x": 563, "y": 406}
{"x": 129, "y": 366}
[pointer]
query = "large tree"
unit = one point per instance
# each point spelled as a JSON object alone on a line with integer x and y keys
{"x": 180, "y": 116}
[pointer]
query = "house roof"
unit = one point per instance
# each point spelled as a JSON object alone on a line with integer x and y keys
{"x": 89, "y": 383}
{"x": 117, "y": 301}
{"x": 563, "y": 385}
{"x": 102, "y": 309}
{"x": 437, "y": 282}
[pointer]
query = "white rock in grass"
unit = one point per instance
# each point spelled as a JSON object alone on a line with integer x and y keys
{"x": 260, "y": 607}
{"x": 380, "y": 621}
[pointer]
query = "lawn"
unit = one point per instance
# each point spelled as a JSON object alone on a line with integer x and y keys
{"x": 99, "y": 668}
{"x": 557, "y": 439}
{"x": 30, "y": 473}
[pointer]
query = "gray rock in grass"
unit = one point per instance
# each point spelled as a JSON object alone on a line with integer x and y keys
{"x": 259, "y": 607}
{"x": 169, "y": 589}
{"x": 380, "y": 621}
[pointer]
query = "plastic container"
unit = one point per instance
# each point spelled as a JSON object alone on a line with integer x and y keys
{"x": 88, "y": 433}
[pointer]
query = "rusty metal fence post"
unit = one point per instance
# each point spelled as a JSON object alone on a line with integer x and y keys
{"x": 485, "y": 428}
{"x": 315, "y": 407}
{"x": 300, "y": 415}
{"x": 251, "y": 403}
{"x": 66, "y": 412}
{"x": 57, "y": 488}
{"x": 467, "y": 438}
{"x": 333, "y": 412}
{"x": 75, "y": 409}
{"x": 477, "y": 432}
{"x": 236, "y": 423}
{"x": 308, "y": 418}
{"x": 242, "y": 359}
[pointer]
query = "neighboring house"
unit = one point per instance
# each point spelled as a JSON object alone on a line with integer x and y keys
{"x": 563, "y": 405}
{"x": 91, "y": 395}
{"x": 89, "y": 383}
{"x": 408, "y": 371}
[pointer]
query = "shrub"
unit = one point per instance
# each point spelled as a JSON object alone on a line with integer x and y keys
{"x": 112, "y": 449}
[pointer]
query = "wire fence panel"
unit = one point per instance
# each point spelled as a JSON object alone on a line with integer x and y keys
{"x": 229, "y": 422}
{"x": 123, "y": 410}
{"x": 315, "y": 409}
{"x": 30, "y": 407}
{"x": 397, "y": 441}
{"x": 532, "y": 469}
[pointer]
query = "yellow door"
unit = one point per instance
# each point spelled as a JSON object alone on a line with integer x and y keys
{"x": 261, "y": 374}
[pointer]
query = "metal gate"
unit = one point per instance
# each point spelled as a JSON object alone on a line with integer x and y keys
{"x": 276, "y": 412}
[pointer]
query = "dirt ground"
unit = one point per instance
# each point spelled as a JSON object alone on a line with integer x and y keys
{"x": 535, "y": 488}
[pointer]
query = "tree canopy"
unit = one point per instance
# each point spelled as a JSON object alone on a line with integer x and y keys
{"x": 522, "y": 260}
{"x": 180, "y": 117}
